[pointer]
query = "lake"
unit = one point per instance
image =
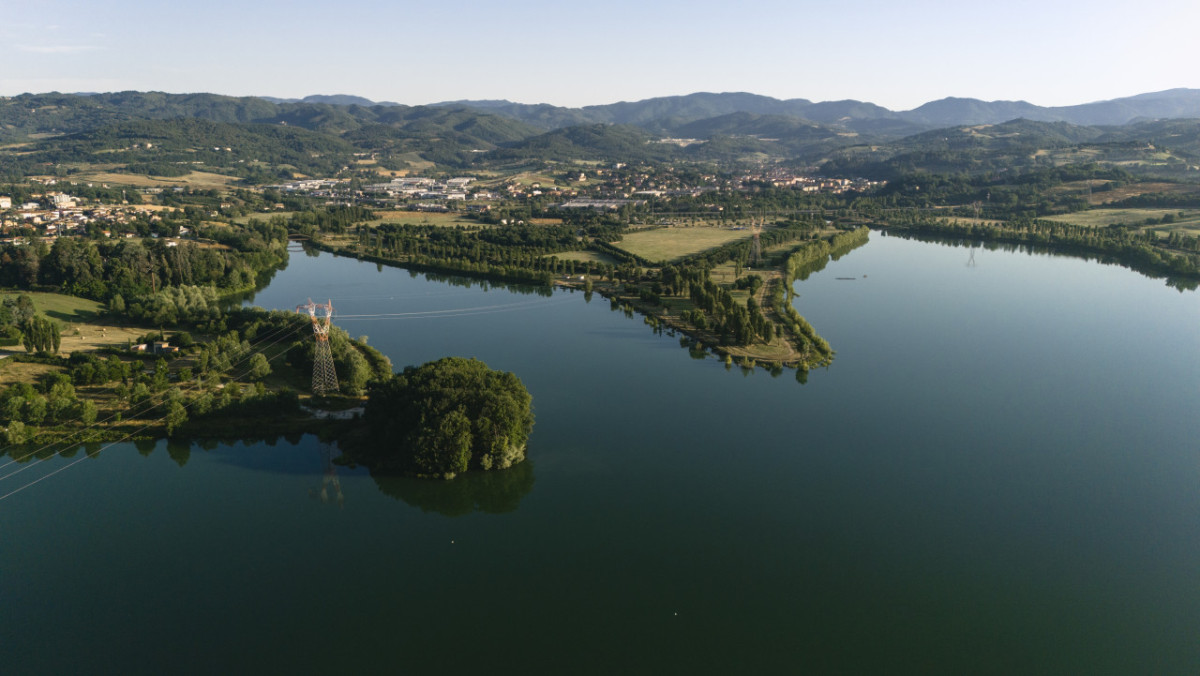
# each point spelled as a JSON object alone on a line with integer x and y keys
{"x": 998, "y": 474}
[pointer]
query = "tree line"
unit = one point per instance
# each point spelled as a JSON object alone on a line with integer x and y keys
{"x": 101, "y": 269}
{"x": 1176, "y": 257}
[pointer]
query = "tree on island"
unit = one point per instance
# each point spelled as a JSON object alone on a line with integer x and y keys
{"x": 444, "y": 418}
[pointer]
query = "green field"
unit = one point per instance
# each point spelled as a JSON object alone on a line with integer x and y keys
{"x": 415, "y": 162}
{"x": 585, "y": 256}
{"x": 1186, "y": 220}
{"x": 83, "y": 330}
{"x": 263, "y": 216}
{"x": 667, "y": 244}
{"x": 197, "y": 179}
{"x": 58, "y": 306}
{"x": 425, "y": 218}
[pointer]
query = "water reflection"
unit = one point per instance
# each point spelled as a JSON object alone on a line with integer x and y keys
{"x": 1062, "y": 249}
{"x": 145, "y": 446}
{"x": 179, "y": 451}
{"x": 465, "y": 280}
{"x": 330, "y": 484}
{"x": 494, "y": 492}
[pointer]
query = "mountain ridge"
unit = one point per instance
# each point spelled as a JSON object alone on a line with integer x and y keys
{"x": 1174, "y": 103}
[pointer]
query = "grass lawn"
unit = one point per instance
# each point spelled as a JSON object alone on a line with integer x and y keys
{"x": 673, "y": 243}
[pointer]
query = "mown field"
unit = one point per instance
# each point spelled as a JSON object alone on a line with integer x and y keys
{"x": 668, "y": 244}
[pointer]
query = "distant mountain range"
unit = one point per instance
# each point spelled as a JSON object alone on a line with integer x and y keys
{"x": 333, "y": 100}
{"x": 853, "y": 137}
{"x": 669, "y": 112}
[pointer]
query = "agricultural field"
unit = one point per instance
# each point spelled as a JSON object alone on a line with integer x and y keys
{"x": 667, "y": 244}
{"x": 263, "y": 216}
{"x": 92, "y": 337}
{"x": 12, "y": 372}
{"x": 586, "y": 257}
{"x": 1135, "y": 189}
{"x": 77, "y": 321}
{"x": 197, "y": 179}
{"x": 415, "y": 163}
{"x": 1186, "y": 220}
{"x": 527, "y": 179}
{"x": 59, "y": 306}
{"x": 443, "y": 219}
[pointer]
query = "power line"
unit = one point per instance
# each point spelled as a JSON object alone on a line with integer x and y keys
{"x": 148, "y": 405}
{"x": 123, "y": 413}
{"x": 127, "y": 437}
{"x": 424, "y": 314}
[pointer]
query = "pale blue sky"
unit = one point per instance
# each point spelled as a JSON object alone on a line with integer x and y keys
{"x": 896, "y": 54}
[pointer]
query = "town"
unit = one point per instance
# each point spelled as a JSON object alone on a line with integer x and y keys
{"x": 54, "y": 207}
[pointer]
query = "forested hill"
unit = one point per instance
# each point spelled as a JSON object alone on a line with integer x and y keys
{"x": 29, "y": 115}
{"x": 262, "y": 140}
{"x": 55, "y": 113}
{"x": 664, "y": 113}
{"x": 1166, "y": 148}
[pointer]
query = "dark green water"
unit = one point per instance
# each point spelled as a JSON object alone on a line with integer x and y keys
{"x": 999, "y": 474}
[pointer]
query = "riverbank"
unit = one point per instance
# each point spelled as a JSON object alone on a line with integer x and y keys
{"x": 780, "y": 337}
{"x": 1144, "y": 253}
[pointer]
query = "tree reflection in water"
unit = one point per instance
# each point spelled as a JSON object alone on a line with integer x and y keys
{"x": 492, "y": 492}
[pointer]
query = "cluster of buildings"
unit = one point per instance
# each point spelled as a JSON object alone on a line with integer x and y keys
{"x": 423, "y": 188}
{"x": 819, "y": 184}
{"x": 317, "y": 187}
{"x": 65, "y": 217}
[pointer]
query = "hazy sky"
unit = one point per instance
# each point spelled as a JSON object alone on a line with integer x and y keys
{"x": 895, "y": 54}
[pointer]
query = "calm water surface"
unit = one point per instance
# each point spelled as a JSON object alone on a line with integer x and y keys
{"x": 999, "y": 474}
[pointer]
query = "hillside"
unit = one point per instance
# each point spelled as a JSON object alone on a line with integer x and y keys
{"x": 157, "y": 133}
{"x": 852, "y": 115}
{"x": 1161, "y": 148}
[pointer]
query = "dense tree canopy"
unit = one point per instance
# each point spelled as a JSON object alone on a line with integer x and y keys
{"x": 446, "y": 417}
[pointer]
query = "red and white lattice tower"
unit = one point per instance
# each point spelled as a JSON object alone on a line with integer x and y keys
{"x": 324, "y": 379}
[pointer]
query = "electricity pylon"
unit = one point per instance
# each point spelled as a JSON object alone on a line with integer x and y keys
{"x": 324, "y": 379}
